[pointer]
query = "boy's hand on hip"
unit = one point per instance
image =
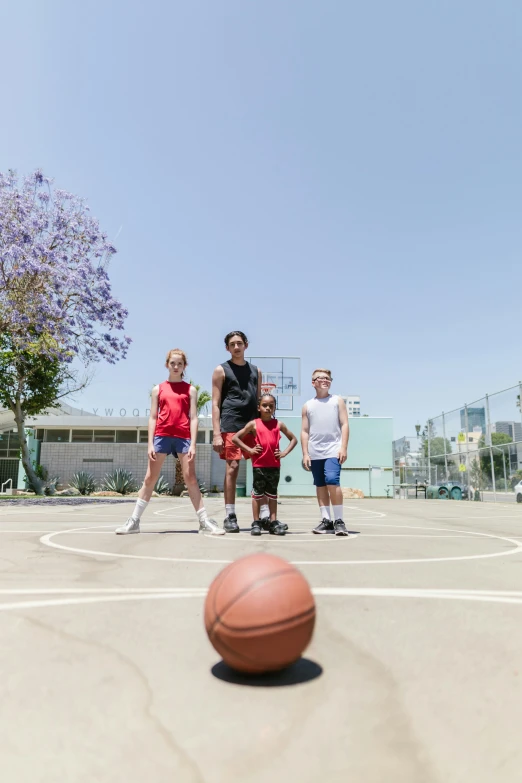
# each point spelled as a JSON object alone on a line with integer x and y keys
{"x": 342, "y": 456}
{"x": 256, "y": 450}
{"x": 307, "y": 462}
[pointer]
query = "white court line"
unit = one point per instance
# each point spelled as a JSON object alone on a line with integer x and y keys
{"x": 487, "y": 596}
{"x": 47, "y": 541}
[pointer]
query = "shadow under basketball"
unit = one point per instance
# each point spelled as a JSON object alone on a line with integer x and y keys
{"x": 303, "y": 670}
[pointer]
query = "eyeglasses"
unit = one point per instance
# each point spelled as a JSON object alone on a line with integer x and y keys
{"x": 321, "y": 378}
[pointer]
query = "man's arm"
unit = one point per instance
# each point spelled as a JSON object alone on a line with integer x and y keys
{"x": 259, "y": 382}
{"x": 345, "y": 430}
{"x": 305, "y": 435}
{"x": 218, "y": 377}
{"x": 153, "y": 417}
{"x": 194, "y": 422}
{"x": 237, "y": 439}
{"x": 291, "y": 437}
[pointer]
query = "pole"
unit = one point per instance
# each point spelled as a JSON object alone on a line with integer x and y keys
{"x": 505, "y": 478}
{"x": 444, "y": 439}
{"x": 429, "y": 452}
{"x": 370, "y": 478}
{"x": 488, "y": 433}
{"x": 468, "y": 466}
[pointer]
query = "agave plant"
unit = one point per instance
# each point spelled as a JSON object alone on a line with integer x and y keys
{"x": 162, "y": 486}
{"x": 120, "y": 481}
{"x": 84, "y": 482}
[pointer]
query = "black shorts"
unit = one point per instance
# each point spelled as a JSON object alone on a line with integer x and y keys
{"x": 265, "y": 482}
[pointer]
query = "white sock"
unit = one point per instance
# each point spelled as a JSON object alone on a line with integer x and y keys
{"x": 230, "y": 508}
{"x": 202, "y": 515}
{"x": 338, "y": 511}
{"x": 139, "y": 508}
{"x": 265, "y": 511}
{"x": 325, "y": 512}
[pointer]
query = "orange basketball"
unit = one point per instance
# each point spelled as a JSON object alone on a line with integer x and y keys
{"x": 260, "y": 614}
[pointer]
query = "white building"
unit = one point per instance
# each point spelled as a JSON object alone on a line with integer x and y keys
{"x": 69, "y": 441}
{"x": 353, "y": 404}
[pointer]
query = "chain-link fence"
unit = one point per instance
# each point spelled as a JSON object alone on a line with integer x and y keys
{"x": 477, "y": 446}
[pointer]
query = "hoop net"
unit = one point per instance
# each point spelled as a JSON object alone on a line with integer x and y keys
{"x": 268, "y": 388}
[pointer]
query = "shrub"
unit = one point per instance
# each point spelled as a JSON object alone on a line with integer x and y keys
{"x": 121, "y": 481}
{"x": 162, "y": 486}
{"x": 84, "y": 482}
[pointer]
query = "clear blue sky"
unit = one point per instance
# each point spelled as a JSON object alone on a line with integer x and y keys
{"x": 340, "y": 180}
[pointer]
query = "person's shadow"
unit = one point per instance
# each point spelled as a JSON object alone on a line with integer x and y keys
{"x": 303, "y": 670}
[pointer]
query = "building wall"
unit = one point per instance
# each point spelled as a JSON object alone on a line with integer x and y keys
{"x": 66, "y": 459}
{"x": 370, "y": 445}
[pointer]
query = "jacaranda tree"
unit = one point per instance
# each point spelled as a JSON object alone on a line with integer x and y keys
{"x": 56, "y": 303}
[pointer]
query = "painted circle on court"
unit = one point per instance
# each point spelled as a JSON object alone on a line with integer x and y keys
{"x": 48, "y": 540}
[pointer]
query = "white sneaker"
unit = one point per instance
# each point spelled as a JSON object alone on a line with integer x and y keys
{"x": 210, "y": 528}
{"x": 131, "y": 526}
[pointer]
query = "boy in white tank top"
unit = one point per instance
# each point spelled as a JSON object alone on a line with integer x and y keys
{"x": 324, "y": 440}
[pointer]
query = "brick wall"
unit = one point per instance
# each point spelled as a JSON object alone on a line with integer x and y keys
{"x": 65, "y": 459}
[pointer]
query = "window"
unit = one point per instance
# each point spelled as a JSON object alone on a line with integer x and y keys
{"x": 144, "y": 436}
{"x": 200, "y": 436}
{"x": 81, "y": 436}
{"x": 126, "y": 436}
{"x": 104, "y": 436}
{"x": 14, "y": 440}
{"x": 56, "y": 436}
{"x": 39, "y": 434}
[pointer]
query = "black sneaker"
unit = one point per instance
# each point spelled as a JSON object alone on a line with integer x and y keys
{"x": 230, "y": 524}
{"x": 326, "y": 526}
{"x": 276, "y": 528}
{"x": 265, "y": 524}
{"x": 256, "y": 527}
{"x": 340, "y": 528}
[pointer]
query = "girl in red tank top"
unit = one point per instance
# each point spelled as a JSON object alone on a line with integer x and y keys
{"x": 173, "y": 427}
{"x": 266, "y": 460}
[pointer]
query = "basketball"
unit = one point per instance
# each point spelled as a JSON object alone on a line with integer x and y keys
{"x": 260, "y": 614}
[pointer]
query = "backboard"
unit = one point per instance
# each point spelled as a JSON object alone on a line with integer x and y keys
{"x": 285, "y": 372}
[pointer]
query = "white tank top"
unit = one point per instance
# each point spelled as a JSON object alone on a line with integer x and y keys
{"x": 325, "y": 434}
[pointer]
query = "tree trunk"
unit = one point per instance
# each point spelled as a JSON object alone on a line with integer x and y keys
{"x": 26, "y": 456}
{"x": 179, "y": 473}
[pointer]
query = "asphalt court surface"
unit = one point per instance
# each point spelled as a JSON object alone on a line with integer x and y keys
{"x": 413, "y": 673}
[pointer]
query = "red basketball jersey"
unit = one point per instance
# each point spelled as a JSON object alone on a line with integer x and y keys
{"x": 173, "y": 410}
{"x": 268, "y": 436}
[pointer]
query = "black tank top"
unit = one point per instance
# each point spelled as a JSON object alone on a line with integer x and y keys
{"x": 239, "y": 396}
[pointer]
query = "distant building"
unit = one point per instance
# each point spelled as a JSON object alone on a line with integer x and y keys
{"x": 476, "y": 418}
{"x": 511, "y": 428}
{"x": 353, "y": 404}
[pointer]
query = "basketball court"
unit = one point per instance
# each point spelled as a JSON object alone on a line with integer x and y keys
{"x": 414, "y": 673}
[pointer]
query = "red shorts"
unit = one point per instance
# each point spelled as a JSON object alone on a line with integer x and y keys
{"x": 229, "y": 451}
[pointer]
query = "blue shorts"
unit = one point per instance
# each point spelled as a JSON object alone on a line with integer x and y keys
{"x": 326, "y": 471}
{"x": 165, "y": 445}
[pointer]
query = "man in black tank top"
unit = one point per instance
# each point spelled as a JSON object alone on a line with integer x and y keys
{"x": 235, "y": 392}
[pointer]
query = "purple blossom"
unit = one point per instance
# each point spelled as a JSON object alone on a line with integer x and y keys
{"x": 53, "y": 278}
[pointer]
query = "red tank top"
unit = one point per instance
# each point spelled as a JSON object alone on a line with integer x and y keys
{"x": 268, "y": 435}
{"x": 173, "y": 410}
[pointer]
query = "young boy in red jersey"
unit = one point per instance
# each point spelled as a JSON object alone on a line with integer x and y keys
{"x": 173, "y": 427}
{"x": 266, "y": 461}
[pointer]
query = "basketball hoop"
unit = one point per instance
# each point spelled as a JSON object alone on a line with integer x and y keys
{"x": 268, "y": 388}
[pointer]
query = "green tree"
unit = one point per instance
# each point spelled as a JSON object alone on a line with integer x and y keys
{"x": 31, "y": 380}
{"x": 203, "y": 397}
{"x": 436, "y": 447}
{"x": 500, "y": 455}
